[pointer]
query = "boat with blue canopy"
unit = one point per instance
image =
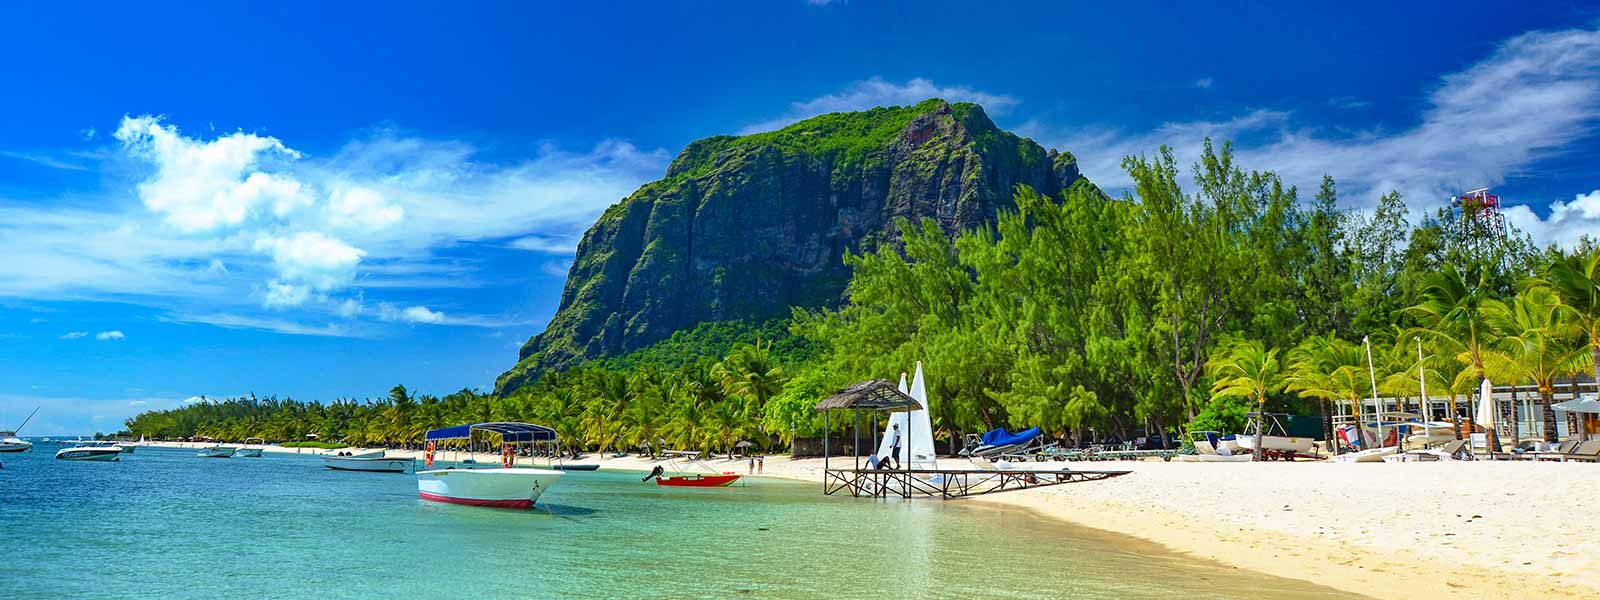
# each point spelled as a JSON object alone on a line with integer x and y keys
{"x": 508, "y": 486}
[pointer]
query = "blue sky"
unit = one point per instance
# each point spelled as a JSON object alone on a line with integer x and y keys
{"x": 320, "y": 201}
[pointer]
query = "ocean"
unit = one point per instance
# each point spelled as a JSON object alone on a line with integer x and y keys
{"x": 164, "y": 523}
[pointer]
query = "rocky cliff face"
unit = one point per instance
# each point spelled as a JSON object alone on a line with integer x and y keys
{"x": 747, "y": 227}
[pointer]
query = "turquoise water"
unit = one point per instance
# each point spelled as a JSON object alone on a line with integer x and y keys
{"x": 165, "y": 523}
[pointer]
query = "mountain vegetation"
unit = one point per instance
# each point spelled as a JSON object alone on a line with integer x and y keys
{"x": 1188, "y": 302}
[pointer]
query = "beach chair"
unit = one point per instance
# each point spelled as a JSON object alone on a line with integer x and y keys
{"x": 1586, "y": 452}
{"x": 1453, "y": 450}
{"x": 1562, "y": 450}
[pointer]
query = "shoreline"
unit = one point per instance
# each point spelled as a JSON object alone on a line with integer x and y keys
{"x": 1440, "y": 529}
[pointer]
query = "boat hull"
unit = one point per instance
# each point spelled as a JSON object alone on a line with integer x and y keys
{"x": 95, "y": 454}
{"x": 248, "y": 453}
{"x": 1367, "y": 456}
{"x": 215, "y": 453}
{"x": 498, "y": 488}
{"x": 697, "y": 480}
{"x": 575, "y": 467}
{"x": 375, "y": 464}
{"x": 15, "y": 446}
{"x": 1279, "y": 443}
{"x": 1214, "y": 458}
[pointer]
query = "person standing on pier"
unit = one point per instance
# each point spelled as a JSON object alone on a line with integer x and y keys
{"x": 894, "y": 445}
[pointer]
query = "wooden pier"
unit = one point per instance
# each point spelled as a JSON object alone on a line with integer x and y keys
{"x": 948, "y": 484}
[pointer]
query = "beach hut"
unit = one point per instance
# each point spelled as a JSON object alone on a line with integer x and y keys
{"x": 1588, "y": 412}
{"x": 876, "y": 395}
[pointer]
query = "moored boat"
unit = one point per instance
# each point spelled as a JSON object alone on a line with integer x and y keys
{"x": 248, "y": 451}
{"x": 367, "y": 462}
{"x": 506, "y": 487}
{"x": 9, "y": 442}
{"x": 98, "y": 453}
{"x": 216, "y": 452}
{"x": 679, "y": 479}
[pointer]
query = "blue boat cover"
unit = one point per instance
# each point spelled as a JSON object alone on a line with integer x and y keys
{"x": 509, "y": 432}
{"x": 1001, "y": 437}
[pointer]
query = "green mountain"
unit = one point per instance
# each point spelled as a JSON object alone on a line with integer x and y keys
{"x": 744, "y": 228}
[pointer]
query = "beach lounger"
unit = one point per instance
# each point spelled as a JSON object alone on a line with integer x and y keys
{"x": 1453, "y": 450}
{"x": 1586, "y": 452}
{"x": 1562, "y": 450}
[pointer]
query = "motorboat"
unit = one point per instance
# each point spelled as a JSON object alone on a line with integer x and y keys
{"x": 355, "y": 453}
{"x": 9, "y": 442}
{"x": 506, "y": 487}
{"x": 367, "y": 461}
{"x": 216, "y": 452}
{"x": 247, "y": 451}
{"x": 92, "y": 452}
{"x": 685, "y": 479}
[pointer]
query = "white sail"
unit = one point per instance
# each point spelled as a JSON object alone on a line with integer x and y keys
{"x": 916, "y": 429}
{"x": 921, "y": 446}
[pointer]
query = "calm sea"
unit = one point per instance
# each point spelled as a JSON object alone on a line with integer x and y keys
{"x": 164, "y": 523}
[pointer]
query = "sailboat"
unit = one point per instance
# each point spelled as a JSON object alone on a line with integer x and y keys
{"x": 915, "y": 427}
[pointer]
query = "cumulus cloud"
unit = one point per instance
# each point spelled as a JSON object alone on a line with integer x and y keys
{"x": 217, "y": 214}
{"x": 869, "y": 93}
{"x": 105, "y": 336}
{"x": 1535, "y": 95}
{"x": 199, "y": 185}
{"x": 310, "y": 259}
{"x": 72, "y": 335}
{"x": 1567, "y": 223}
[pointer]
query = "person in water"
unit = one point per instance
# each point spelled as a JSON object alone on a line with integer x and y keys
{"x": 894, "y": 445}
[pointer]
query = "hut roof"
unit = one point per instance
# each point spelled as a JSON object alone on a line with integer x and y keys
{"x": 877, "y": 394}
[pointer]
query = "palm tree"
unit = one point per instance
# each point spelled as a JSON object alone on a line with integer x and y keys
{"x": 1314, "y": 370}
{"x": 1246, "y": 369}
{"x": 1451, "y": 312}
{"x": 1537, "y": 341}
{"x": 1576, "y": 278}
{"x": 749, "y": 374}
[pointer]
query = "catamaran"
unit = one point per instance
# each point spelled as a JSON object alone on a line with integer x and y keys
{"x": 506, "y": 487}
{"x": 9, "y": 442}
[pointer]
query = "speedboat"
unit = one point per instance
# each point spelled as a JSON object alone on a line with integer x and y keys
{"x": 216, "y": 452}
{"x": 355, "y": 453}
{"x": 1367, "y": 456}
{"x": 506, "y": 487}
{"x": 248, "y": 452}
{"x": 100, "y": 453}
{"x": 367, "y": 461}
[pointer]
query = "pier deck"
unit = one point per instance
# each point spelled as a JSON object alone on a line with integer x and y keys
{"x": 948, "y": 484}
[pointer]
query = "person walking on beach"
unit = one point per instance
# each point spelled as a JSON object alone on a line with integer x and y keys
{"x": 752, "y": 468}
{"x": 761, "y": 463}
{"x": 894, "y": 446}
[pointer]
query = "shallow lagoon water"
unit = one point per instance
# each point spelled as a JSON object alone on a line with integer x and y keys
{"x": 165, "y": 523}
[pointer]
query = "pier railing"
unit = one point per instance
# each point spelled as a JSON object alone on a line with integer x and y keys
{"x": 948, "y": 484}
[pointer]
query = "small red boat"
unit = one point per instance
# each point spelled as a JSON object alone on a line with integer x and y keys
{"x": 691, "y": 479}
{"x": 697, "y": 480}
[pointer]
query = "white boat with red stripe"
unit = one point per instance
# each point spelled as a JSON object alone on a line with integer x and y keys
{"x": 509, "y": 486}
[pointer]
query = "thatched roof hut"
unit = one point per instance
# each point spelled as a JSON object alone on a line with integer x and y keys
{"x": 876, "y": 394}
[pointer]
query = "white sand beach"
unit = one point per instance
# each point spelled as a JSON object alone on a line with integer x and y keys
{"x": 1409, "y": 530}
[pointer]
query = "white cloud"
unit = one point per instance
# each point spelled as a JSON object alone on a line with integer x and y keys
{"x": 364, "y": 208}
{"x": 1567, "y": 223}
{"x": 109, "y": 335}
{"x": 137, "y": 403}
{"x": 281, "y": 295}
{"x": 566, "y": 244}
{"x": 234, "y": 321}
{"x": 72, "y": 335}
{"x": 194, "y": 400}
{"x": 1535, "y": 95}
{"x": 87, "y": 134}
{"x": 44, "y": 160}
{"x": 311, "y": 259}
{"x": 1204, "y": 83}
{"x": 200, "y": 186}
{"x": 869, "y": 93}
